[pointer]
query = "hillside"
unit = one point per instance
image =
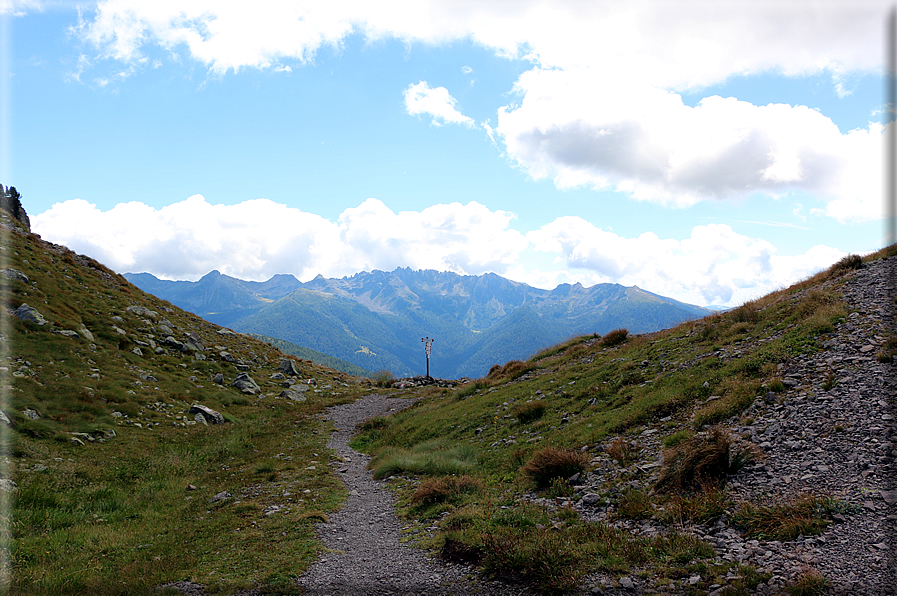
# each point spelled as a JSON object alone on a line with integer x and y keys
{"x": 121, "y": 474}
{"x": 750, "y": 452}
{"x": 375, "y": 319}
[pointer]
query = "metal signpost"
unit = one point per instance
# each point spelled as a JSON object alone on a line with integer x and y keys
{"x": 428, "y": 343}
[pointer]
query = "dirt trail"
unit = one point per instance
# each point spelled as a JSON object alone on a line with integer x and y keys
{"x": 366, "y": 555}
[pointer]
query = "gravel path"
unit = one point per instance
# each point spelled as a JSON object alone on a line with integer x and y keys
{"x": 366, "y": 556}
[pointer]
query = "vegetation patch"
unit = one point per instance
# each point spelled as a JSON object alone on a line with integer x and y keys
{"x": 777, "y": 519}
{"x": 614, "y": 338}
{"x": 550, "y": 463}
{"x": 435, "y": 457}
{"x": 528, "y": 411}
{"x": 445, "y": 489}
{"x": 705, "y": 458}
{"x": 623, "y": 451}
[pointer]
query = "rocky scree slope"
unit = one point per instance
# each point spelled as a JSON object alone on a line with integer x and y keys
{"x": 830, "y": 431}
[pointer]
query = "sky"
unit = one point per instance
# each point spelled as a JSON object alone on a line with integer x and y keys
{"x": 707, "y": 151}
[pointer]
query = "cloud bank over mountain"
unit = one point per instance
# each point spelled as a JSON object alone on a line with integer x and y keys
{"x": 257, "y": 239}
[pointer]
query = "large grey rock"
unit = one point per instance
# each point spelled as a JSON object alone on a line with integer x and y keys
{"x": 142, "y": 311}
{"x": 244, "y": 383}
{"x": 218, "y": 379}
{"x": 208, "y": 415}
{"x": 4, "y": 419}
{"x": 85, "y": 333}
{"x": 288, "y": 367}
{"x": 193, "y": 342}
{"x": 227, "y": 332}
{"x": 30, "y": 414}
{"x": 227, "y": 357}
{"x": 15, "y": 274}
{"x": 29, "y": 313}
{"x": 68, "y": 333}
{"x": 292, "y": 394}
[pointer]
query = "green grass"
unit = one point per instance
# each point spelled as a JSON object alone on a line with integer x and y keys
{"x": 430, "y": 458}
{"x": 123, "y": 514}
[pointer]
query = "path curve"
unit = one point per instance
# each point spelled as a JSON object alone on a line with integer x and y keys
{"x": 366, "y": 556}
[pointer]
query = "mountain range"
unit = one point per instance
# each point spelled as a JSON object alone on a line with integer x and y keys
{"x": 376, "y": 320}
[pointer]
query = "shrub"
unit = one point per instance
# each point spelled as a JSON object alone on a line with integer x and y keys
{"x": 623, "y": 451}
{"x": 551, "y": 462}
{"x": 809, "y": 583}
{"x": 447, "y": 488}
{"x": 680, "y": 436}
{"x": 511, "y": 370}
{"x": 528, "y": 411}
{"x": 848, "y": 263}
{"x": 383, "y": 378}
{"x": 431, "y": 458}
{"x": 635, "y": 504}
{"x": 614, "y": 338}
{"x": 707, "y": 504}
{"x": 785, "y": 520}
{"x": 705, "y": 458}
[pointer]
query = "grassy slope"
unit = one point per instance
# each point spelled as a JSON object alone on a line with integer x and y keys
{"x": 590, "y": 394}
{"x": 124, "y": 514}
{"x": 317, "y": 357}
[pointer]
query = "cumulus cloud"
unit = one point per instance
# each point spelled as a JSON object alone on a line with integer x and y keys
{"x": 259, "y": 238}
{"x": 601, "y": 106}
{"x": 421, "y": 99}
{"x": 715, "y": 265}
{"x": 646, "y": 142}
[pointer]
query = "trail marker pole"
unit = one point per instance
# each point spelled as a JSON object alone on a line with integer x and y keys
{"x": 428, "y": 343}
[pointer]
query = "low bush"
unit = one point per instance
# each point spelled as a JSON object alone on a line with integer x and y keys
{"x": 383, "y": 378}
{"x": 614, "y": 338}
{"x": 776, "y": 519}
{"x": 848, "y": 263}
{"x": 623, "y": 451}
{"x": 551, "y": 462}
{"x": 809, "y": 583}
{"x": 705, "y": 458}
{"x": 635, "y": 504}
{"x": 707, "y": 504}
{"x": 430, "y": 458}
{"x": 446, "y": 488}
{"x": 528, "y": 412}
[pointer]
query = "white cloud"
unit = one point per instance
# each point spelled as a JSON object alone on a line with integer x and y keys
{"x": 259, "y": 238}
{"x": 19, "y": 8}
{"x": 642, "y": 140}
{"x": 600, "y": 107}
{"x": 715, "y": 265}
{"x": 421, "y": 99}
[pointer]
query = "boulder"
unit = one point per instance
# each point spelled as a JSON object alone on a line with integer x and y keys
{"x": 227, "y": 357}
{"x": 68, "y": 333}
{"x": 4, "y": 419}
{"x": 15, "y": 274}
{"x": 205, "y": 414}
{"x": 142, "y": 311}
{"x": 218, "y": 379}
{"x": 85, "y": 333}
{"x": 193, "y": 342}
{"x": 137, "y": 351}
{"x": 30, "y": 414}
{"x": 293, "y": 395}
{"x": 244, "y": 383}
{"x": 29, "y": 313}
{"x": 288, "y": 367}
{"x": 224, "y": 331}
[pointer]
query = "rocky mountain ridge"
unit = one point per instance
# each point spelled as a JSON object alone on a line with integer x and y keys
{"x": 375, "y": 319}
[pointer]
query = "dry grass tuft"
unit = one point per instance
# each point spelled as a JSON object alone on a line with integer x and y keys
{"x": 528, "y": 411}
{"x": 623, "y": 451}
{"x": 705, "y": 458}
{"x": 447, "y": 488}
{"x": 614, "y": 338}
{"x": 551, "y": 462}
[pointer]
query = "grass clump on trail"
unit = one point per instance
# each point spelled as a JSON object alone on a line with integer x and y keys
{"x": 430, "y": 458}
{"x": 705, "y": 458}
{"x": 786, "y": 519}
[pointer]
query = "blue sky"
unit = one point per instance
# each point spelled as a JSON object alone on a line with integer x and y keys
{"x": 710, "y": 152}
